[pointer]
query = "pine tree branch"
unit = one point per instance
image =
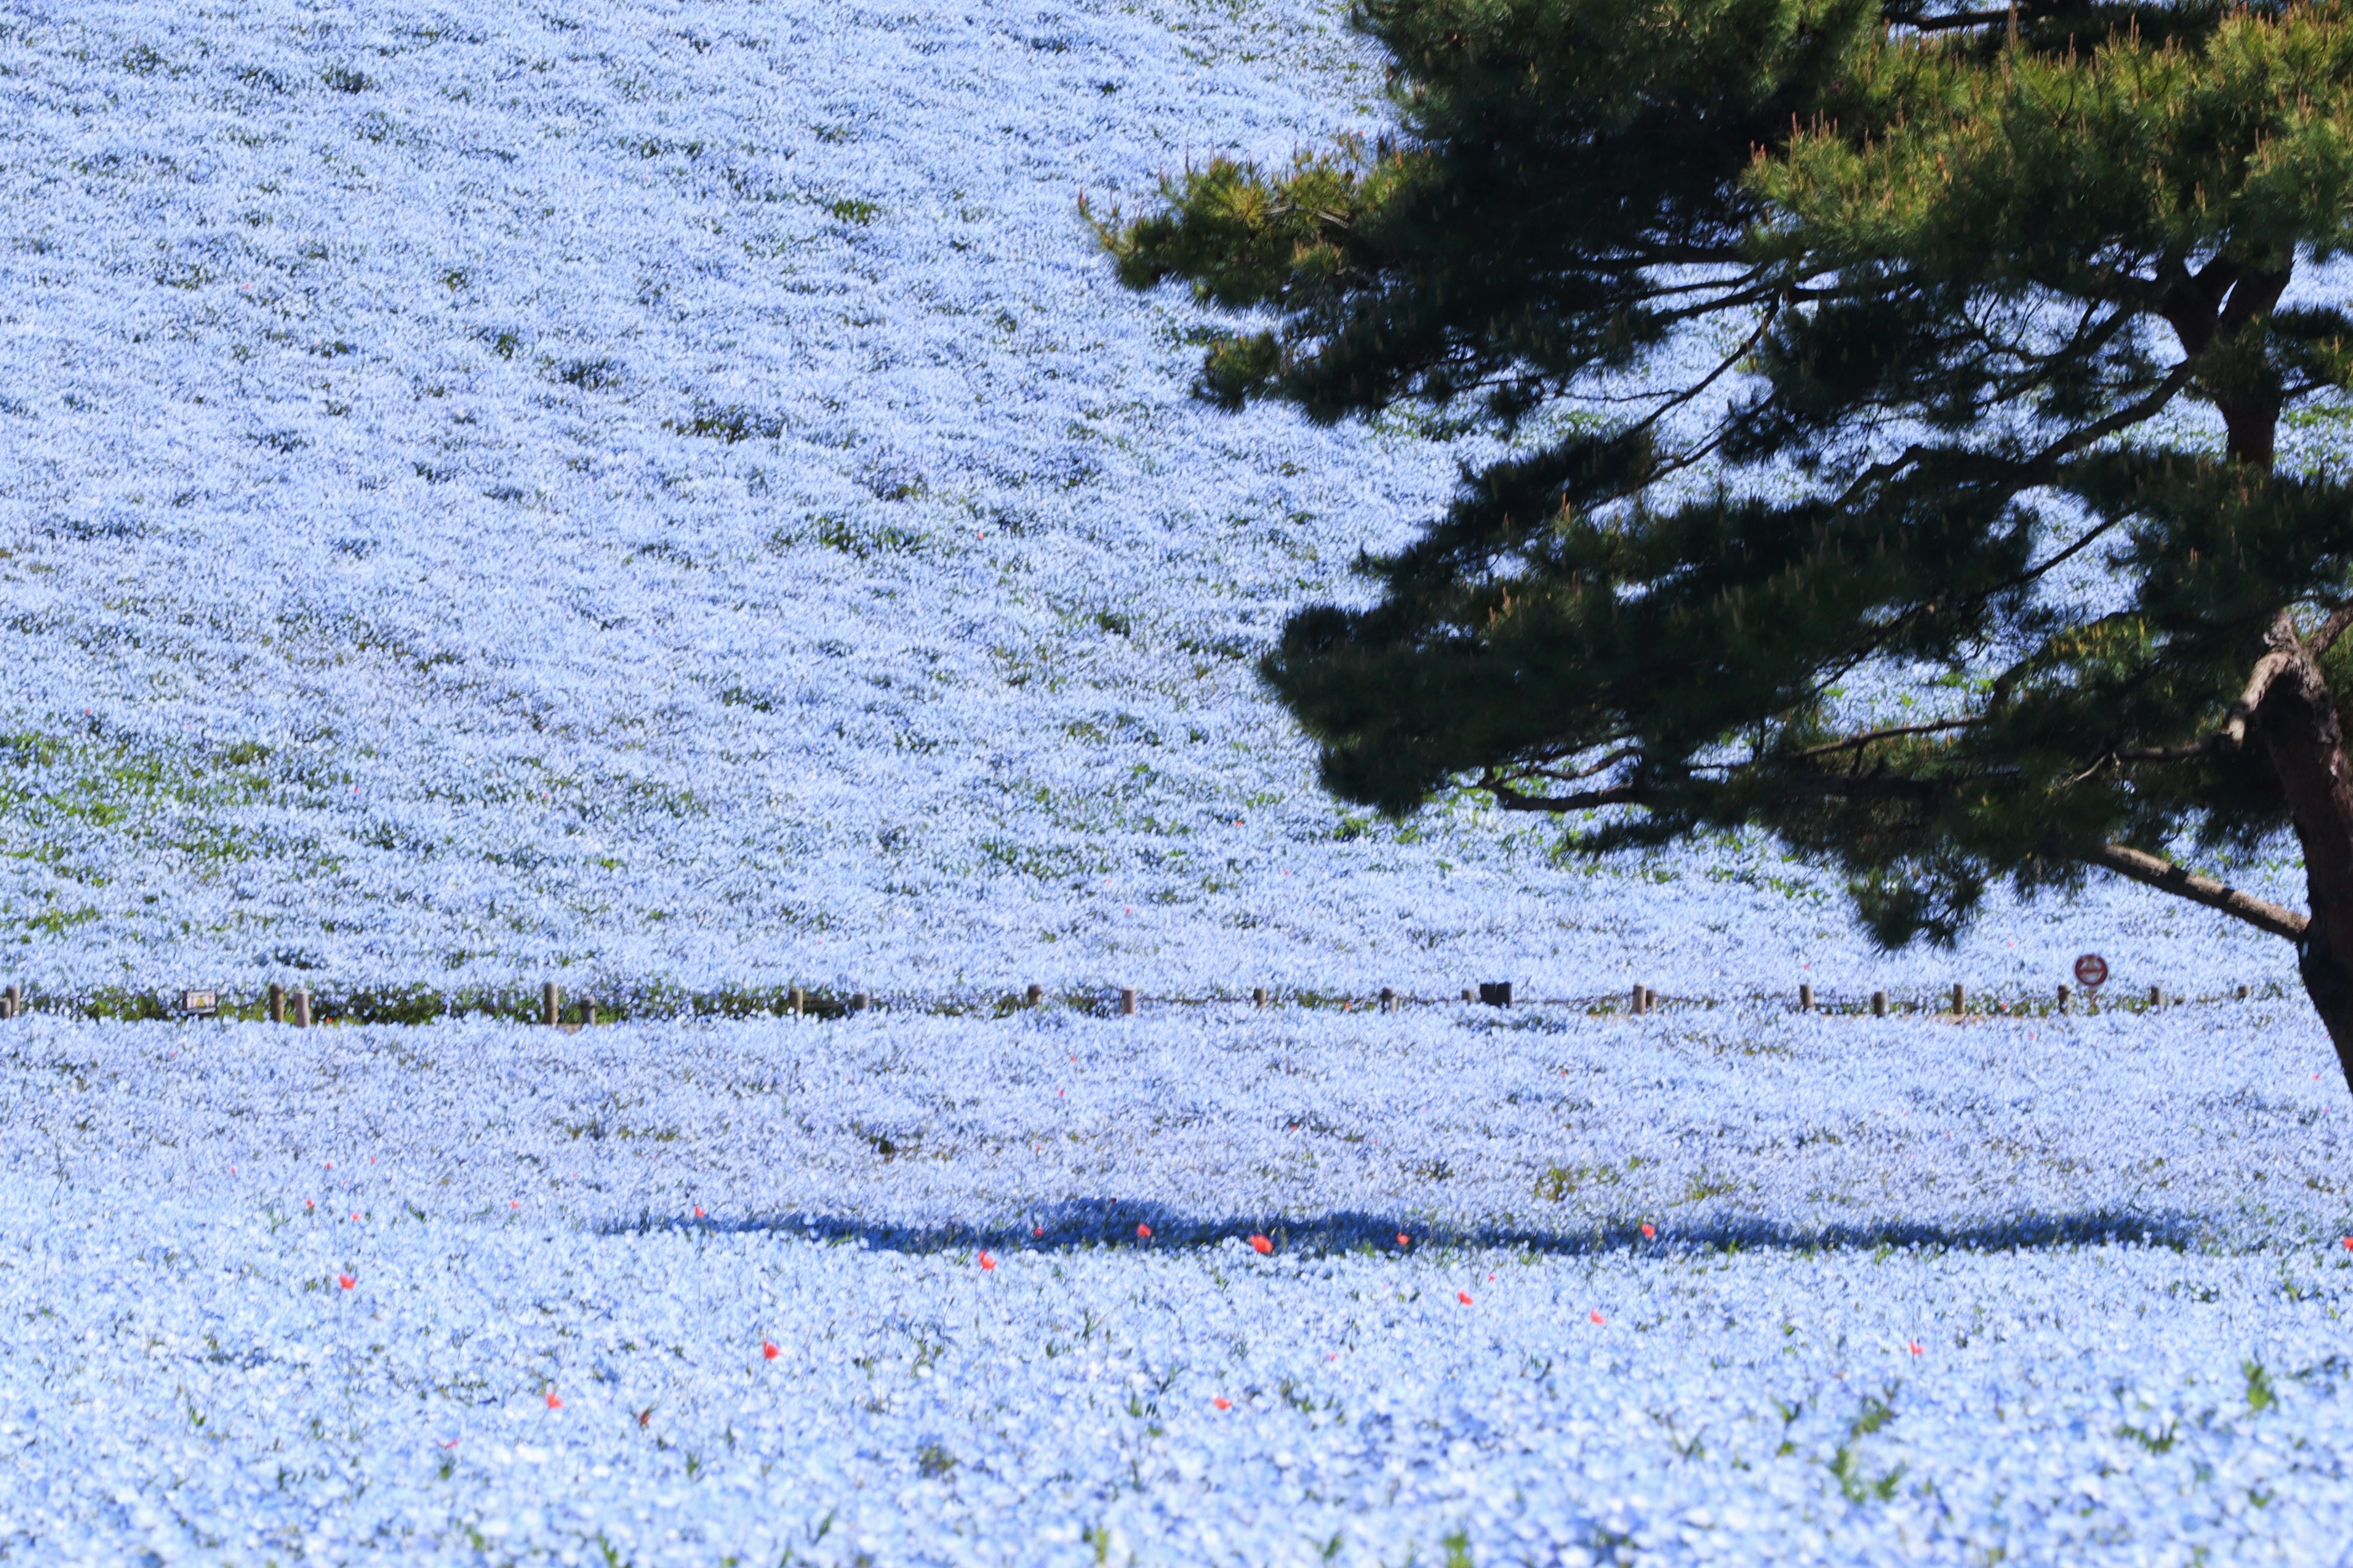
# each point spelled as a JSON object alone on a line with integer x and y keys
{"x": 1512, "y": 799}
{"x": 2322, "y": 640}
{"x": 2233, "y": 732}
{"x": 1853, "y": 741}
{"x": 1964, "y": 19}
{"x": 2166, "y": 876}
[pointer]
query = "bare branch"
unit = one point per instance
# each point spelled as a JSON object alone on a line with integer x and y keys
{"x": 1611, "y": 760}
{"x": 2166, "y": 876}
{"x": 2324, "y": 638}
{"x": 2233, "y": 732}
{"x": 1512, "y": 799}
{"x": 1851, "y": 741}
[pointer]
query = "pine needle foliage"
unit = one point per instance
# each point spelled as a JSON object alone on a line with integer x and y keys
{"x": 1831, "y": 341}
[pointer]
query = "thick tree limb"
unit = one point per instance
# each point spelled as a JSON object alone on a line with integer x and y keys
{"x": 1852, "y": 741}
{"x": 2166, "y": 876}
{"x": 2233, "y": 732}
{"x": 1510, "y": 799}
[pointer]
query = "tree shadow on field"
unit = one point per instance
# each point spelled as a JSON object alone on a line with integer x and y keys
{"x": 1086, "y": 1223}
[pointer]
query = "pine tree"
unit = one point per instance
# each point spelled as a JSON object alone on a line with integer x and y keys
{"x": 1836, "y": 346}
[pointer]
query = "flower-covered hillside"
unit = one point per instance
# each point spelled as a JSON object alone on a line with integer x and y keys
{"x": 673, "y": 492}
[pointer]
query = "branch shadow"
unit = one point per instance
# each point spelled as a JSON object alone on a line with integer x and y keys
{"x": 1091, "y": 1223}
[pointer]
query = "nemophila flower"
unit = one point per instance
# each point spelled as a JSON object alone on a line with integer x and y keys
{"x": 1261, "y": 1245}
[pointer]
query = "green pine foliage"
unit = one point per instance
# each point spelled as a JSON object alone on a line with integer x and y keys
{"x": 1997, "y": 302}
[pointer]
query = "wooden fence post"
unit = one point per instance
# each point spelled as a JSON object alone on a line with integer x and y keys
{"x": 550, "y": 1004}
{"x": 1389, "y": 999}
{"x": 1127, "y": 1001}
{"x": 1879, "y": 1004}
{"x": 2242, "y": 992}
{"x": 1258, "y": 996}
{"x": 800, "y": 1001}
{"x": 1805, "y": 998}
{"x": 276, "y": 1003}
{"x": 2062, "y": 998}
{"x": 1960, "y": 1000}
{"x": 16, "y": 1000}
{"x": 2156, "y": 997}
{"x": 302, "y": 1008}
{"x": 1034, "y": 995}
{"x": 860, "y": 1001}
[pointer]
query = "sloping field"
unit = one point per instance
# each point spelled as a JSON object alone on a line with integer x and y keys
{"x": 671, "y": 493}
{"x": 2008, "y": 1292}
{"x": 660, "y": 496}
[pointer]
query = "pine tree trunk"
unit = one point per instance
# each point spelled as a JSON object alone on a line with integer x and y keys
{"x": 2297, "y": 723}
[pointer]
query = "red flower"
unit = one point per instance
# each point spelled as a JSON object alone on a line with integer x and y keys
{"x": 768, "y": 1350}
{"x": 1261, "y": 1244}
{"x": 553, "y": 1403}
{"x": 1404, "y": 1240}
{"x": 1464, "y": 1297}
{"x": 698, "y": 1210}
{"x": 1914, "y": 1346}
{"x": 986, "y": 1261}
{"x": 1222, "y": 1403}
{"x": 645, "y": 1415}
{"x": 1144, "y": 1233}
{"x": 1596, "y": 1315}
{"x": 1649, "y": 1231}
{"x": 346, "y": 1280}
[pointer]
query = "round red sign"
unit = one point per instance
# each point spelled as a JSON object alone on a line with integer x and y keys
{"x": 2092, "y": 970}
